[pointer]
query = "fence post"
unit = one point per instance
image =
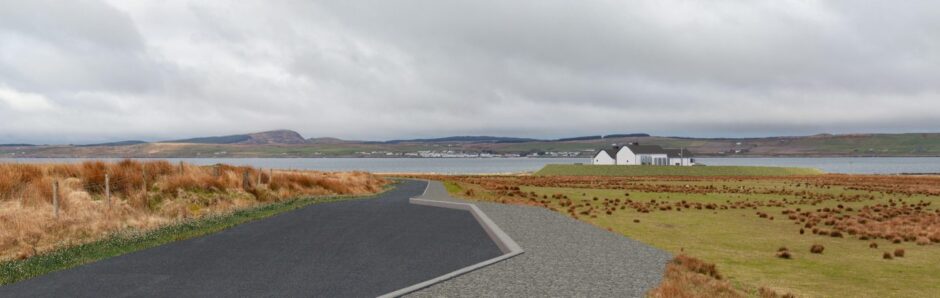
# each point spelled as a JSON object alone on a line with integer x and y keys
{"x": 181, "y": 167}
{"x": 55, "y": 198}
{"x": 246, "y": 180}
{"x": 107, "y": 189}
{"x": 216, "y": 170}
{"x": 270, "y": 175}
{"x": 260, "y": 173}
{"x": 143, "y": 175}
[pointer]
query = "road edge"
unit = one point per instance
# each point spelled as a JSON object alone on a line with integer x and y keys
{"x": 506, "y": 245}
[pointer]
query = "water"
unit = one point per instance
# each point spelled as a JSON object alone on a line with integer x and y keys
{"x": 847, "y": 165}
{"x": 377, "y": 165}
{"x": 850, "y": 165}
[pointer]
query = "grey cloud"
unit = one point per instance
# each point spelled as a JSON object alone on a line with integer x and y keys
{"x": 390, "y": 69}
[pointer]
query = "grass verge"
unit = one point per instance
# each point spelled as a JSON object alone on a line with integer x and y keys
{"x": 623, "y": 170}
{"x": 127, "y": 242}
{"x": 761, "y": 231}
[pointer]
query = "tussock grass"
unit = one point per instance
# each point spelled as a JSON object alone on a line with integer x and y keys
{"x": 737, "y": 221}
{"x": 686, "y": 276}
{"x": 144, "y": 196}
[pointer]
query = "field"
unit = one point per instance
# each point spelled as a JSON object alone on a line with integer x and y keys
{"x": 879, "y": 236}
{"x": 620, "y": 170}
{"x": 143, "y": 196}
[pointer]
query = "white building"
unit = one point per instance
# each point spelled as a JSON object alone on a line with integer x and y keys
{"x": 635, "y": 154}
{"x": 605, "y": 157}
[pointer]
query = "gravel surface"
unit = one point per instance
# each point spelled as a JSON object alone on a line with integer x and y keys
{"x": 563, "y": 258}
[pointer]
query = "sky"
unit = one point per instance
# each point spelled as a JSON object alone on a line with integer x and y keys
{"x": 85, "y": 71}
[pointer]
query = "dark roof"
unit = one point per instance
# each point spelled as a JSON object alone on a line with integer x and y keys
{"x": 654, "y": 149}
{"x": 612, "y": 152}
{"x": 649, "y": 149}
{"x": 646, "y": 149}
{"x": 675, "y": 153}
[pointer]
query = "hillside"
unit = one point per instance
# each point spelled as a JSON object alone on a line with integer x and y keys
{"x": 266, "y": 137}
{"x": 285, "y": 143}
{"x": 465, "y": 139}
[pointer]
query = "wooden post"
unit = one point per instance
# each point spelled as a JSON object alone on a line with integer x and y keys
{"x": 246, "y": 180}
{"x": 55, "y": 198}
{"x": 270, "y": 175}
{"x": 260, "y": 173}
{"x": 181, "y": 167}
{"x": 107, "y": 189}
{"x": 216, "y": 170}
{"x": 144, "y": 176}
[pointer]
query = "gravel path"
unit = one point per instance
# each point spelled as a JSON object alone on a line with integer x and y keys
{"x": 563, "y": 258}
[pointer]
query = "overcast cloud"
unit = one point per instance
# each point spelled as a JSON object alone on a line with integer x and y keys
{"x": 89, "y": 70}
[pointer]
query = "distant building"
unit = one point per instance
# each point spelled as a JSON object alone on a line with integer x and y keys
{"x": 605, "y": 157}
{"x": 636, "y": 154}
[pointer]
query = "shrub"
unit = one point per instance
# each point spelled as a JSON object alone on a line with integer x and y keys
{"x": 763, "y": 292}
{"x": 899, "y": 252}
{"x": 689, "y": 277}
{"x": 697, "y": 266}
{"x": 817, "y": 249}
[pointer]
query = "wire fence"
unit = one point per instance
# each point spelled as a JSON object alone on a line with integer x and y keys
{"x": 110, "y": 186}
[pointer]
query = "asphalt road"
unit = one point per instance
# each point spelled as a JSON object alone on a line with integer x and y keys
{"x": 358, "y": 248}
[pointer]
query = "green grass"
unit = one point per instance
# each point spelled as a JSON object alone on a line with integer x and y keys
{"x": 452, "y": 187}
{"x": 743, "y": 245}
{"x": 122, "y": 243}
{"x": 622, "y": 170}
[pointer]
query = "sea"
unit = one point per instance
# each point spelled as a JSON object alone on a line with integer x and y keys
{"x": 847, "y": 165}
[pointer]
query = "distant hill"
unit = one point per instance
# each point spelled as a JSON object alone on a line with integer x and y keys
{"x": 231, "y": 139}
{"x": 465, "y": 139}
{"x": 286, "y": 143}
{"x": 121, "y": 143}
{"x": 259, "y": 138}
{"x": 588, "y": 138}
{"x": 629, "y": 135}
{"x": 329, "y": 141}
{"x": 276, "y": 137}
{"x": 490, "y": 139}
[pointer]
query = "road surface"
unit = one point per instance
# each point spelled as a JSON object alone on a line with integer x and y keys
{"x": 357, "y": 248}
{"x": 563, "y": 257}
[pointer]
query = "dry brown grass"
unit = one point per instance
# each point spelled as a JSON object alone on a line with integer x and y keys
{"x": 688, "y": 277}
{"x": 817, "y": 248}
{"x": 144, "y": 195}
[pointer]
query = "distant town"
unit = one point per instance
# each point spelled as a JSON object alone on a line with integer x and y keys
{"x": 462, "y": 154}
{"x": 289, "y": 144}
